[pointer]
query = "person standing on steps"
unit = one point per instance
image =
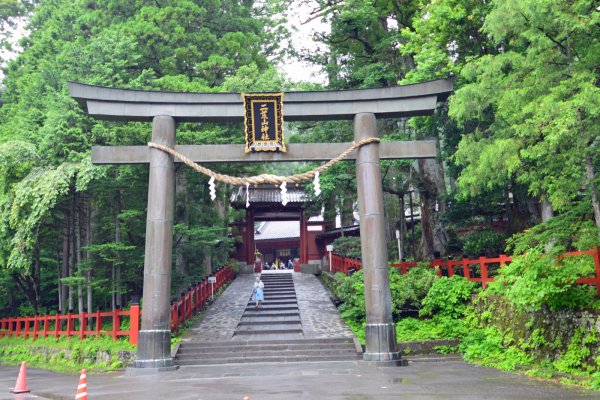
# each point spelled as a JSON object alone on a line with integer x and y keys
{"x": 258, "y": 295}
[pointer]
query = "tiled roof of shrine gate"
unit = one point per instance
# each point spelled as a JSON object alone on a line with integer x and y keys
{"x": 267, "y": 195}
{"x": 277, "y": 230}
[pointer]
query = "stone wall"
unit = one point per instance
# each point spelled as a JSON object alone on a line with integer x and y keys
{"x": 49, "y": 354}
{"x": 544, "y": 334}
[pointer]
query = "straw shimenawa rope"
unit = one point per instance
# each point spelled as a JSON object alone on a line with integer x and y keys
{"x": 264, "y": 178}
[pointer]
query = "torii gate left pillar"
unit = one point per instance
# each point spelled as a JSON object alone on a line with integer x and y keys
{"x": 154, "y": 340}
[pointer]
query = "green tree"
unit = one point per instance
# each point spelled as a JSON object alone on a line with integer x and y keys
{"x": 542, "y": 97}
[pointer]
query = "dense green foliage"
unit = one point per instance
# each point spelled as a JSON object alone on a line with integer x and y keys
{"x": 535, "y": 280}
{"x": 67, "y": 354}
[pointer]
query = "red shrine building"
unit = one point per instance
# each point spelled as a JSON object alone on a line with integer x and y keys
{"x": 273, "y": 231}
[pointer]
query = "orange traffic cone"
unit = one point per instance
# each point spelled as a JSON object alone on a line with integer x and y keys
{"x": 81, "y": 393}
{"x": 21, "y": 385}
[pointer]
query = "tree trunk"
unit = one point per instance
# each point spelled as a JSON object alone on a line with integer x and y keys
{"x": 90, "y": 214}
{"x": 546, "y": 210}
{"x": 522, "y": 211}
{"x": 71, "y": 250}
{"x": 207, "y": 262}
{"x": 77, "y": 251}
{"x": 116, "y": 267}
{"x": 221, "y": 204}
{"x": 181, "y": 217}
{"x": 434, "y": 238}
{"x": 65, "y": 259}
{"x": 591, "y": 176}
{"x": 36, "y": 278}
{"x": 401, "y": 227}
{"x": 58, "y": 274}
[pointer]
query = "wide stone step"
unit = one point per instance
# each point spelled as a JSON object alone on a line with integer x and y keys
{"x": 285, "y": 279}
{"x": 269, "y": 307}
{"x": 270, "y": 301}
{"x": 279, "y": 284}
{"x": 323, "y": 347}
{"x": 243, "y": 353}
{"x": 282, "y": 297}
{"x": 268, "y": 329}
{"x": 268, "y": 313}
{"x": 279, "y": 292}
{"x": 269, "y": 321}
{"x": 262, "y": 360}
{"x": 287, "y": 342}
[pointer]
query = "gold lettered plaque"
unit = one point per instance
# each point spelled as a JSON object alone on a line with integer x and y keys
{"x": 263, "y": 121}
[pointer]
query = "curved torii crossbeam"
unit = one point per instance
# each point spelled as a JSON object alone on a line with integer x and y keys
{"x": 165, "y": 109}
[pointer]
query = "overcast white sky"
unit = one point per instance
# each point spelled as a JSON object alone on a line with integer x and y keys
{"x": 301, "y": 39}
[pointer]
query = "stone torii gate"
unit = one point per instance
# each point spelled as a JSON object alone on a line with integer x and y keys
{"x": 165, "y": 109}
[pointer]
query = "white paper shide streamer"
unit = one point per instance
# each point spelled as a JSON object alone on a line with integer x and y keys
{"x": 284, "y": 194}
{"x": 247, "y": 195}
{"x": 213, "y": 191}
{"x": 317, "y": 184}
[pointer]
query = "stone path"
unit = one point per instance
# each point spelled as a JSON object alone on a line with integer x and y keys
{"x": 320, "y": 318}
{"x": 222, "y": 317}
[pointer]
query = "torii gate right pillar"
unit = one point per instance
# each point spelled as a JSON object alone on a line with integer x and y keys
{"x": 380, "y": 331}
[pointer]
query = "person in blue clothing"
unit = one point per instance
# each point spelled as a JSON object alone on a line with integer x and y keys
{"x": 258, "y": 295}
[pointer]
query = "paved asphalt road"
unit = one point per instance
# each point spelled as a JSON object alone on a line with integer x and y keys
{"x": 323, "y": 380}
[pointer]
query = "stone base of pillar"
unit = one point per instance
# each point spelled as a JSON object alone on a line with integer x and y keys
{"x": 154, "y": 350}
{"x": 309, "y": 269}
{"x": 380, "y": 345}
{"x": 244, "y": 268}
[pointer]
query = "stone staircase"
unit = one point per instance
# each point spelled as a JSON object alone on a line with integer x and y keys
{"x": 278, "y": 317}
{"x": 272, "y": 333}
{"x": 266, "y": 351}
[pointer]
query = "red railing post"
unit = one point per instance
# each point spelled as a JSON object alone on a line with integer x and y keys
{"x": 188, "y": 308}
{"x": 182, "y": 307}
{"x": 36, "y": 326}
{"x": 46, "y": 325}
{"x": 57, "y": 325}
{"x": 466, "y": 269}
{"x": 134, "y": 323}
{"x": 484, "y": 271}
{"x": 70, "y": 327}
{"x": 26, "y": 327}
{"x": 116, "y": 324}
{"x": 174, "y": 316}
{"x": 83, "y": 324}
{"x": 98, "y": 322}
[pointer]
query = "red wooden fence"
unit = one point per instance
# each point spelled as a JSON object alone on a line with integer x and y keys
{"x": 91, "y": 324}
{"x": 476, "y": 270}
